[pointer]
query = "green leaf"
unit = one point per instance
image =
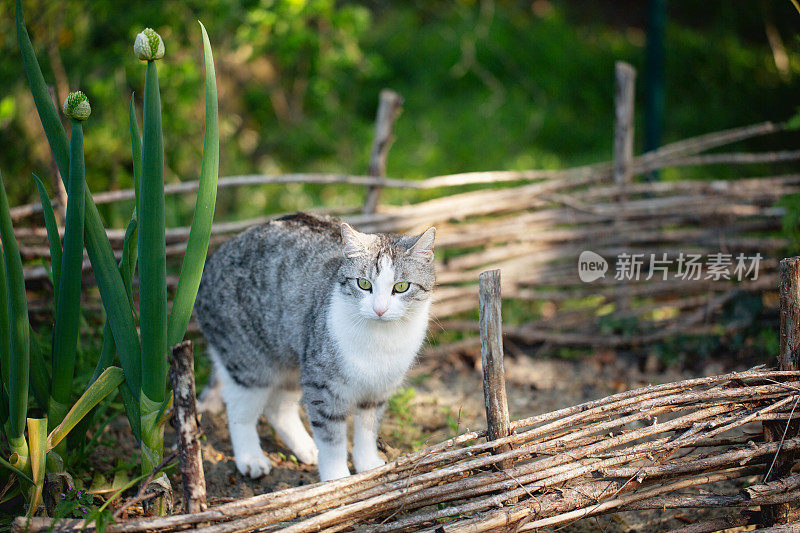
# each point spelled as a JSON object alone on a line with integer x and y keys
{"x": 68, "y": 312}
{"x": 108, "y": 349}
{"x": 793, "y": 123}
{"x": 99, "y": 249}
{"x": 107, "y": 352}
{"x": 130, "y": 252}
{"x": 53, "y": 129}
{"x": 16, "y": 471}
{"x": 40, "y": 378}
{"x": 5, "y": 357}
{"x": 19, "y": 327}
{"x": 152, "y": 444}
{"x": 152, "y": 245}
{"x": 53, "y": 238}
{"x": 115, "y": 298}
{"x": 132, "y": 411}
{"x": 3, "y": 407}
{"x": 107, "y": 383}
{"x": 37, "y": 438}
{"x": 136, "y": 151}
{"x": 200, "y": 232}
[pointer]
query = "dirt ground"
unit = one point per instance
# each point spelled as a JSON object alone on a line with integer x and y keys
{"x": 443, "y": 397}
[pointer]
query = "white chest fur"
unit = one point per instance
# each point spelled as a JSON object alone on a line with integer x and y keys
{"x": 375, "y": 354}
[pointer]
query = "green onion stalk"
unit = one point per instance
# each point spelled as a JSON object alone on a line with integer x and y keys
{"x": 18, "y": 339}
{"x": 152, "y": 258}
{"x": 67, "y": 322}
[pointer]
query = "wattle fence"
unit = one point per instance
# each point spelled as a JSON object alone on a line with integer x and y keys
{"x": 534, "y": 225}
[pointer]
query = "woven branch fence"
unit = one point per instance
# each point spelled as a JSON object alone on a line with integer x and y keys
{"x": 640, "y": 449}
{"x": 534, "y": 224}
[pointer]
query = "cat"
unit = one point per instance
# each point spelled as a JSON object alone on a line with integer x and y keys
{"x": 307, "y": 307}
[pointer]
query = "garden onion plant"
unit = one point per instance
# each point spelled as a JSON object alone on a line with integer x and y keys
{"x": 158, "y": 332}
{"x": 34, "y": 454}
{"x": 143, "y": 357}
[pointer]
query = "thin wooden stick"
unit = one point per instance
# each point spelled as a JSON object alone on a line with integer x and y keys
{"x": 187, "y": 425}
{"x": 390, "y": 106}
{"x": 792, "y": 527}
{"x": 715, "y": 524}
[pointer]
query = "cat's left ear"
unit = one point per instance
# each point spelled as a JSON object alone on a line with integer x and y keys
{"x": 423, "y": 248}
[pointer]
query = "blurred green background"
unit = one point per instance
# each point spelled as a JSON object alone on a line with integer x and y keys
{"x": 487, "y": 85}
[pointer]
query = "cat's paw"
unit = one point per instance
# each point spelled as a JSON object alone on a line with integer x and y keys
{"x": 253, "y": 465}
{"x": 307, "y": 454}
{"x": 363, "y": 464}
{"x": 331, "y": 471}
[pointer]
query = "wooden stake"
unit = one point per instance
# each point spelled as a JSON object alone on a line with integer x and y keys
{"x": 623, "y": 127}
{"x": 186, "y": 424}
{"x": 625, "y": 76}
{"x": 788, "y": 359}
{"x": 494, "y": 381}
{"x": 389, "y": 108}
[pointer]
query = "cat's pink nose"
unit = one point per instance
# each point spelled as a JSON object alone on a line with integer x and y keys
{"x": 379, "y": 310}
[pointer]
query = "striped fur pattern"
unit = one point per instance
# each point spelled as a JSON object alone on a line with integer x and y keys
{"x": 305, "y": 309}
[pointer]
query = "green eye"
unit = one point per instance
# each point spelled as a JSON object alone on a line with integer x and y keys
{"x": 364, "y": 284}
{"x": 401, "y": 286}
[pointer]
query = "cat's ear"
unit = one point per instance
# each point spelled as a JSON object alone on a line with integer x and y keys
{"x": 355, "y": 242}
{"x": 423, "y": 248}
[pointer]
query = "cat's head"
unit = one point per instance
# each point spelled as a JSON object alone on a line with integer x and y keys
{"x": 387, "y": 277}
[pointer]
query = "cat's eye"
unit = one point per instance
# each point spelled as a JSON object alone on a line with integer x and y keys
{"x": 401, "y": 286}
{"x": 364, "y": 284}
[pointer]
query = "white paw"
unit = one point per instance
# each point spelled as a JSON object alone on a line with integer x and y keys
{"x": 333, "y": 471}
{"x": 307, "y": 454}
{"x": 363, "y": 464}
{"x": 253, "y": 465}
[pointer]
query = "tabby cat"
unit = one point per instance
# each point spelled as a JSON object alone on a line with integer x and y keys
{"x": 307, "y": 307}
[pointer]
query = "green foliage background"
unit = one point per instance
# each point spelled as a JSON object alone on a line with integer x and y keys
{"x": 487, "y": 85}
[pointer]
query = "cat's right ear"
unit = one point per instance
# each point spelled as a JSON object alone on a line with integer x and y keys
{"x": 423, "y": 248}
{"x": 355, "y": 242}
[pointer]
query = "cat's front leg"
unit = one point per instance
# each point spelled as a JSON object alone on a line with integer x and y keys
{"x": 328, "y": 418}
{"x": 366, "y": 421}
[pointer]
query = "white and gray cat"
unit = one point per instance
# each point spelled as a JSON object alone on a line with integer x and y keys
{"x": 309, "y": 299}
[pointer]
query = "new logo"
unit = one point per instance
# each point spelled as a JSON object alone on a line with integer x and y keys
{"x": 591, "y": 266}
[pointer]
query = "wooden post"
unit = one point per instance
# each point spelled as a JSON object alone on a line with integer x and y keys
{"x": 494, "y": 381}
{"x": 788, "y": 359}
{"x": 186, "y": 424}
{"x": 625, "y": 76}
{"x": 389, "y": 108}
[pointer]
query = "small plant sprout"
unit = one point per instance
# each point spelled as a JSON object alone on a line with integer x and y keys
{"x": 149, "y": 46}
